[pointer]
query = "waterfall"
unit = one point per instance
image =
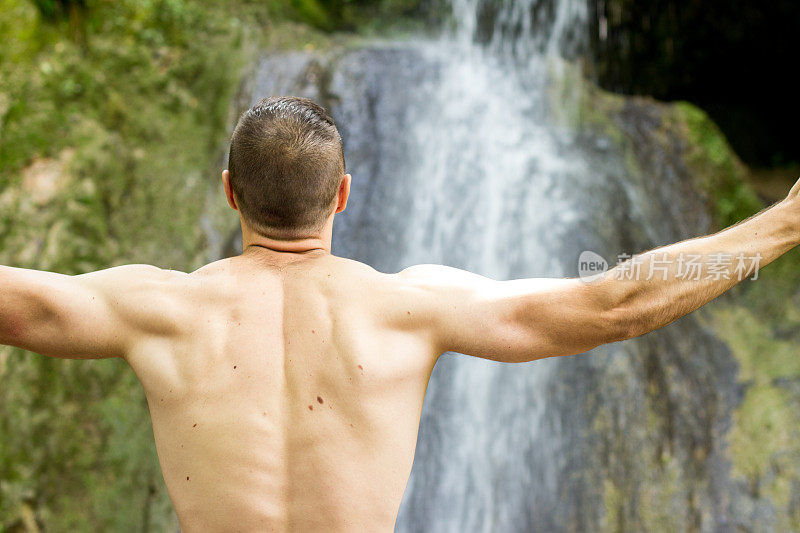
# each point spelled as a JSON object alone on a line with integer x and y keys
{"x": 456, "y": 159}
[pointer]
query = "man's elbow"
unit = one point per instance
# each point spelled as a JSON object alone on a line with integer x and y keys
{"x": 11, "y": 332}
{"x": 619, "y": 324}
{"x": 621, "y": 317}
{"x": 24, "y": 318}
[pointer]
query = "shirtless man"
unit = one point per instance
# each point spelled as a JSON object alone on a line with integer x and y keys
{"x": 285, "y": 385}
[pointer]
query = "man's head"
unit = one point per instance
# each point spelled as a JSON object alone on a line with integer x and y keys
{"x": 286, "y": 167}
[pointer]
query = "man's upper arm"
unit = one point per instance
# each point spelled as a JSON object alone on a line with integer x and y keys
{"x": 512, "y": 321}
{"x": 88, "y": 316}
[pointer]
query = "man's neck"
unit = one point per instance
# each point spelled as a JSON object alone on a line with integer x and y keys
{"x": 291, "y": 247}
{"x": 303, "y": 245}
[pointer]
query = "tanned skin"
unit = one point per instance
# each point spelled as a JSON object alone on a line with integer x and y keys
{"x": 285, "y": 385}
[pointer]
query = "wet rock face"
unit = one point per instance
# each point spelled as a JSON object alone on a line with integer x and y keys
{"x": 455, "y": 161}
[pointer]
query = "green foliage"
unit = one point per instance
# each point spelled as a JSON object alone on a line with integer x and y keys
{"x": 764, "y": 442}
{"x": 338, "y": 15}
{"x": 53, "y": 9}
{"x": 719, "y": 172}
{"x": 106, "y": 151}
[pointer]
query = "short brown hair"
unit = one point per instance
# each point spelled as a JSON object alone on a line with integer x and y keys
{"x": 285, "y": 163}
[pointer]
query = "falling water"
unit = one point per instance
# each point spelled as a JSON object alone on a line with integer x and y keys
{"x": 490, "y": 181}
{"x": 456, "y": 159}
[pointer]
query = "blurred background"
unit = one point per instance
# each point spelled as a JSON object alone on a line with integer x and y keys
{"x": 529, "y": 131}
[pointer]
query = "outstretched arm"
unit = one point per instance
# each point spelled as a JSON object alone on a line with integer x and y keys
{"x": 88, "y": 316}
{"x": 523, "y": 320}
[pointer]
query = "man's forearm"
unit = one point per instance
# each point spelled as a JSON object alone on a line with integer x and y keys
{"x": 657, "y": 287}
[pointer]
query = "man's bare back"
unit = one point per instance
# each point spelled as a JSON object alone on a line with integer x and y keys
{"x": 291, "y": 398}
{"x": 285, "y": 385}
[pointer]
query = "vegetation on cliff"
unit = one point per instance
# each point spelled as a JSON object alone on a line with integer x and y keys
{"x": 107, "y": 135}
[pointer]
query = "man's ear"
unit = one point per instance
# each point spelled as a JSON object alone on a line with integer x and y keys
{"x": 226, "y": 185}
{"x": 343, "y": 194}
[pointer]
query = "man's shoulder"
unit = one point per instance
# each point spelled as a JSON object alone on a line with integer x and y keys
{"x": 132, "y": 276}
{"x": 412, "y": 279}
{"x": 414, "y": 272}
{"x": 353, "y": 267}
{"x": 371, "y": 279}
{"x": 412, "y": 288}
{"x": 167, "y": 289}
{"x": 434, "y": 276}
